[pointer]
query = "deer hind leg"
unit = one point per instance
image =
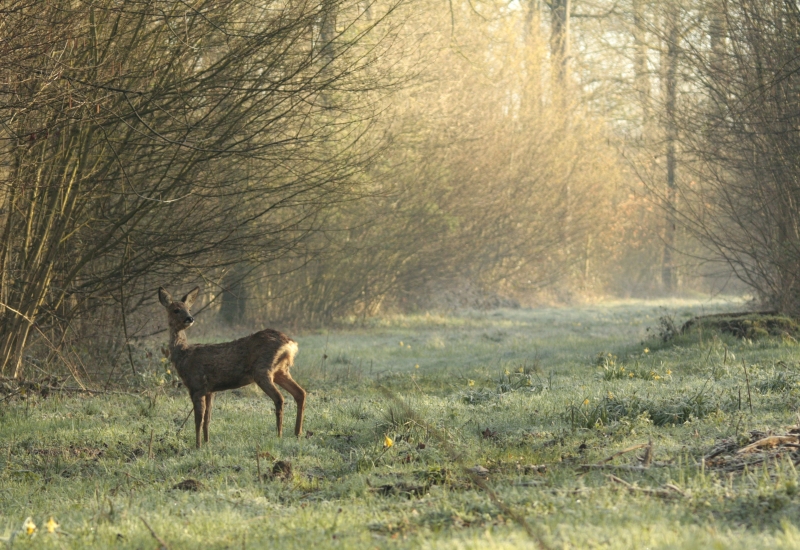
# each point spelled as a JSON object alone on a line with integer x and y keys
{"x": 285, "y": 380}
{"x": 264, "y": 382}
{"x": 207, "y": 416}
{"x": 199, "y": 402}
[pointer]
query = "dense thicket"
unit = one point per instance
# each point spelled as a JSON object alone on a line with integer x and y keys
{"x": 493, "y": 187}
{"x": 150, "y": 142}
{"x": 741, "y": 134}
{"x": 318, "y": 160}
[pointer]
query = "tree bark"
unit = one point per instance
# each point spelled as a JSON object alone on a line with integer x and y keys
{"x": 641, "y": 72}
{"x": 668, "y": 269}
{"x": 560, "y": 43}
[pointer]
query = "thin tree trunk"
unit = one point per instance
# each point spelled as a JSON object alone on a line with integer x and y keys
{"x": 560, "y": 43}
{"x": 234, "y": 296}
{"x": 641, "y": 73}
{"x": 668, "y": 270}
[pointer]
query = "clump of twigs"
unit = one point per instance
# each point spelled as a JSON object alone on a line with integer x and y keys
{"x": 734, "y": 454}
{"x": 20, "y": 387}
{"x": 666, "y": 329}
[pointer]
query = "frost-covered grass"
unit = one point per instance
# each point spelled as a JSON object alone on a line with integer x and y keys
{"x": 529, "y": 395}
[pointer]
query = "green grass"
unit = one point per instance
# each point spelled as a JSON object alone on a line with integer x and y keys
{"x": 505, "y": 390}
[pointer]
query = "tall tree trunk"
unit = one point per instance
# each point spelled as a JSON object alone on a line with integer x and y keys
{"x": 668, "y": 270}
{"x": 641, "y": 73}
{"x": 560, "y": 43}
{"x": 329, "y": 11}
{"x": 234, "y": 296}
{"x": 531, "y": 104}
{"x": 718, "y": 31}
{"x": 559, "y": 58}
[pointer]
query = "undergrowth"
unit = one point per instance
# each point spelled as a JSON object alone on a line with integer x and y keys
{"x": 454, "y": 439}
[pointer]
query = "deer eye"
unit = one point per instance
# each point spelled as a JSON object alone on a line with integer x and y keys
{"x": 177, "y": 311}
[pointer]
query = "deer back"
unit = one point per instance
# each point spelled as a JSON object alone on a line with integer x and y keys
{"x": 229, "y": 365}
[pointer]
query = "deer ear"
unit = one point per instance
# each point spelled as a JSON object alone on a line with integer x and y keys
{"x": 164, "y": 297}
{"x": 191, "y": 296}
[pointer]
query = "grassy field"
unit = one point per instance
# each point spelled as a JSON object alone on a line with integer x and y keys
{"x": 493, "y": 417}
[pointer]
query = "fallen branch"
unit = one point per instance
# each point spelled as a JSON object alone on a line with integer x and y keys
{"x": 184, "y": 421}
{"x": 739, "y": 466}
{"x": 771, "y": 441}
{"x": 675, "y": 488}
{"x": 624, "y": 451}
{"x": 655, "y": 492}
{"x": 726, "y": 446}
{"x": 87, "y": 390}
{"x": 622, "y": 467}
{"x": 648, "y": 454}
{"x": 10, "y": 395}
{"x": 43, "y": 386}
{"x": 164, "y": 545}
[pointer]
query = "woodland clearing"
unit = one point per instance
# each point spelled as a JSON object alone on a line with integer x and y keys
{"x": 564, "y": 427}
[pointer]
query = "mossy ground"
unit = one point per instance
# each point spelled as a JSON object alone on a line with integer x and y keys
{"x": 746, "y": 325}
{"x": 505, "y": 390}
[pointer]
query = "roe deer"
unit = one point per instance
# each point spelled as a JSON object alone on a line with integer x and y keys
{"x": 263, "y": 358}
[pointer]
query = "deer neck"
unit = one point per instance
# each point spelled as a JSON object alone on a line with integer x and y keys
{"x": 178, "y": 343}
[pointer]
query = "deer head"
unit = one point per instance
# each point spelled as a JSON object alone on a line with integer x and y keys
{"x": 178, "y": 311}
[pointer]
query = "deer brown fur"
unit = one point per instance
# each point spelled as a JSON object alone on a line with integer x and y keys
{"x": 264, "y": 358}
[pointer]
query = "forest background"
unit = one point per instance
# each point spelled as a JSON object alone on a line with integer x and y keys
{"x": 324, "y": 161}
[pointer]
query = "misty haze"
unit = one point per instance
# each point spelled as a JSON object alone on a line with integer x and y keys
{"x": 516, "y": 274}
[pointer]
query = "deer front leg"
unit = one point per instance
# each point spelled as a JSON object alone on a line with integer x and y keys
{"x": 265, "y": 383}
{"x": 207, "y": 417}
{"x": 285, "y": 380}
{"x": 199, "y": 403}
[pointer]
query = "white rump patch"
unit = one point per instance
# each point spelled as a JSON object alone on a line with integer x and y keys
{"x": 286, "y": 351}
